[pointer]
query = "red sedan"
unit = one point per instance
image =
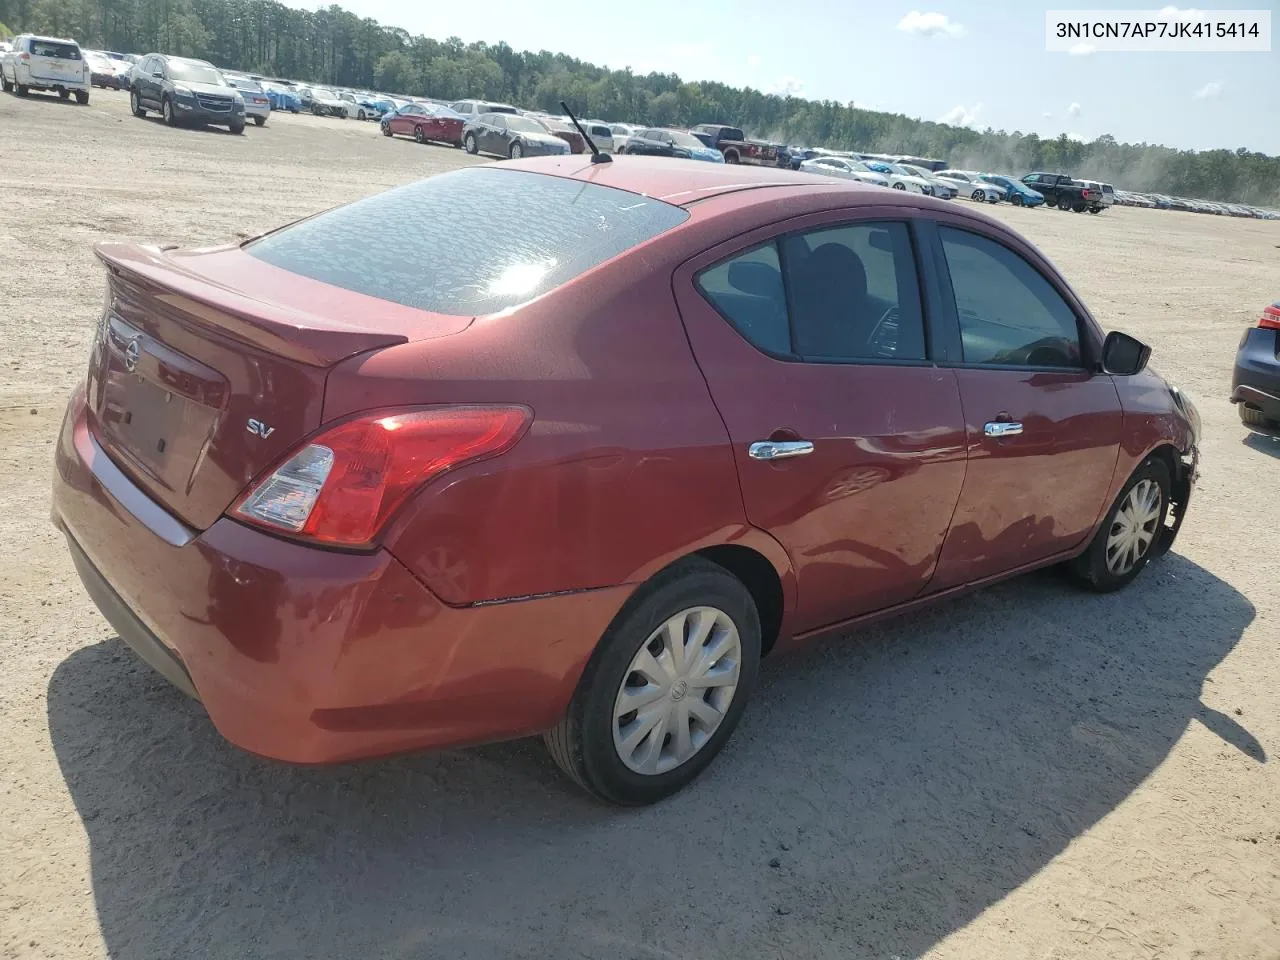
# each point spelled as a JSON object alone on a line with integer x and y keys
{"x": 572, "y": 460}
{"x": 424, "y": 124}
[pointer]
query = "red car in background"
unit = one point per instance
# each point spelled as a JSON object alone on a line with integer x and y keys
{"x": 572, "y": 459}
{"x": 565, "y": 132}
{"x": 424, "y": 123}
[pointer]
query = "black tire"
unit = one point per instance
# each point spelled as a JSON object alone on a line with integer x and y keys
{"x": 359, "y": 114}
{"x": 315, "y": 109}
{"x": 6, "y": 85}
{"x": 417, "y": 134}
{"x": 236, "y": 128}
{"x": 977, "y": 196}
{"x": 1095, "y": 209}
{"x": 1079, "y": 207}
{"x": 166, "y": 111}
{"x": 82, "y": 97}
{"x": 900, "y": 186}
{"x": 1091, "y": 566}
{"x": 22, "y": 90}
{"x": 469, "y": 144}
{"x": 64, "y": 94}
{"x": 731, "y": 157}
{"x": 1050, "y": 201}
{"x": 1254, "y": 418}
{"x": 260, "y": 121}
{"x": 516, "y": 151}
{"x": 386, "y": 129}
{"x": 582, "y": 743}
{"x": 1016, "y": 200}
{"x": 135, "y": 105}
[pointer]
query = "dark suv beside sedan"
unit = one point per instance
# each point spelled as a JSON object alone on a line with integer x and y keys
{"x": 1255, "y": 384}
{"x": 185, "y": 91}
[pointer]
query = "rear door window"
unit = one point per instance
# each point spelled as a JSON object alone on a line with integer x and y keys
{"x": 445, "y": 244}
{"x": 1010, "y": 314}
{"x": 747, "y": 291}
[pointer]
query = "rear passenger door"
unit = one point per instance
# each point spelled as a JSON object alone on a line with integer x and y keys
{"x": 849, "y": 442}
{"x": 1042, "y": 424}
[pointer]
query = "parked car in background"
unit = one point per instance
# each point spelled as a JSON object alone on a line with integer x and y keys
{"x": 1061, "y": 191}
{"x": 281, "y": 97}
{"x": 799, "y": 155}
{"x": 425, "y": 124}
{"x": 469, "y": 109}
{"x": 185, "y": 92}
{"x": 972, "y": 186}
{"x": 384, "y": 559}
{"x": 257, "y": 104}
{"x": 1255, "y": 383}
{"x": 103, "y": 71}
{"x": 45, "y": 63}
{"x": 661, "y": 142}
{"x": 1103, "y": 195}
{"x": 510, "y": 135}
{"x": 899, "y": 177}
{"x": 1015, "y": 191}
{"x": 846, "y": 168}
{"x": 326, "y": 103}
{"x": 601, "y": 134}
{"x": 354, "y": 107}
{"x": 735, "y": 146}
{"x": 564, "y": 131}
{"x": 942, "y": 189}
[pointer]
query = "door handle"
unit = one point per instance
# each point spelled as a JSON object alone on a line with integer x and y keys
{"x": 1002, "y": 428}
{"x": 779, "y": 449}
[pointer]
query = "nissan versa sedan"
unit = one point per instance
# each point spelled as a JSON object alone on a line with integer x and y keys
{"x": 570, "y": 458}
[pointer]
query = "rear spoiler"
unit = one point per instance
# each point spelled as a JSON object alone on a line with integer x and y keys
{"x": 284, "y": 331}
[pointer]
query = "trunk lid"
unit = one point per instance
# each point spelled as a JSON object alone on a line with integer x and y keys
{"x": 210, "y": 365}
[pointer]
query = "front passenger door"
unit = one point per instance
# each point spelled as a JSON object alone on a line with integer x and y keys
{"x": 1042, "y": 424}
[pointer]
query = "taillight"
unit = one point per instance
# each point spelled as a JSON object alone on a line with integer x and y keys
{"x": 1270, "y": 319}
{"x": 344, "y": 484}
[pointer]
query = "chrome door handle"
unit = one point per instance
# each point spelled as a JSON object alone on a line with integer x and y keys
{"x": 779, "y": 449}
{"x": 1002, "y": 428}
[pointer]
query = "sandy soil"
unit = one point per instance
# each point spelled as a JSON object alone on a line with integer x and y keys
{"x": 1031, "y": 772}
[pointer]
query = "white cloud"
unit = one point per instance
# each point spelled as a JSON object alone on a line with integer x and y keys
{"x": 1210, "y": 91}
{"x": 1073, "y": 110}
{"x": 1082, "y": 50}
{"x": 930, "y": 24}
{"x": 962, "y": 116}
{"x": 1189, "y": 16}
{"x": 787, "y": 87}
{"x": 1047, "y": 114}
{"x": 754, "y": 60}
{"x": 1077, "y": 138}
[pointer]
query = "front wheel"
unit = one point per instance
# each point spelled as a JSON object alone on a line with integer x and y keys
{"x": 419, "y": 135}
{"x": 665, "y": 687}
{"x": 82, "y": 97}
{"x": 469, "y": 144}
{"x": 260, "y": 121}
{"x": 1016, "y": 200}
{"x": 135, "y": 105}
{"x": 517, "y": 151}
{"x": 386, "y": 130}
{"x": 360, "y": 115}
{"x": 899, "y": 186}
{"x": 5, "y": 84}
{"x": 236, "y": 128}
{"x": 64, "y": 94}
{"x": 1128, "y": 537}
{"x": 977, "y": 196}
{"x": 22, "y": 90}
{"x": 166, "y": 111}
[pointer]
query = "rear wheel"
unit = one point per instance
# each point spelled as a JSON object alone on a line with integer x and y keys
{"x": 5, "y": 84}
{"x": 665, "y": 687}
{"x": 419, "y": 135}
{"x": 1050, "y": 201}
{"x": 260, "y": 121}
{"x": 1079, "y": 206}
{"x": 386, "y": 129}
{"x": 1016, "y": 199}
{"x": 22, "y": 90}
{"x": 1126, "y": 539}
{"x": 64, "y": 94}
{"x": 82, "y": 97}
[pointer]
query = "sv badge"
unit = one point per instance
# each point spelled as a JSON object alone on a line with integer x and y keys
{"x": 260, "y": 429}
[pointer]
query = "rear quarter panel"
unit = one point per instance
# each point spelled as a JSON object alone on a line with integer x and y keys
{"x": 626, "y": 467}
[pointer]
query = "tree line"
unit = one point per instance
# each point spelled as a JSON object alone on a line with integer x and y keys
{"x": 334, "y": 46}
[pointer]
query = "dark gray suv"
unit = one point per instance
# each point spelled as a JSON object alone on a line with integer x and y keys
{"x": 184, "y": 91}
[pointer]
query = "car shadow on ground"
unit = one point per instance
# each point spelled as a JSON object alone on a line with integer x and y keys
{"x": 883, "y": 790}
{"x": 1264, "y": 441}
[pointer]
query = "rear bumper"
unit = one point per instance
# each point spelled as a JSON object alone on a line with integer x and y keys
{"x": 257, "y": 109}
{"x": 1256, "y": 379}
{"x": 308, "y": 655}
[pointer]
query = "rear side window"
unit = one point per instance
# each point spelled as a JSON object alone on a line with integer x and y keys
{"x": 446, "y": 244}
{"x": 1010, "y": 315}
{"x": 59, "y": 51}
{"x": 747, "y": 291}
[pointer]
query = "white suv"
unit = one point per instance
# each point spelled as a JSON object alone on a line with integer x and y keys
{"x": 45, "y": 63}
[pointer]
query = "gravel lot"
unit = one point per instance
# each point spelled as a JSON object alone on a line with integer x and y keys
{"x": 1031, "y": 772}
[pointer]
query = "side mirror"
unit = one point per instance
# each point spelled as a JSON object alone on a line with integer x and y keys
{"x": 1123, "y": 355}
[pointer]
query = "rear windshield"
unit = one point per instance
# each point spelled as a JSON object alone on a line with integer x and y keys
{"x": 450, "y": 244}
{"x": 498, "y": 108}
{"x": 59, "y": 51}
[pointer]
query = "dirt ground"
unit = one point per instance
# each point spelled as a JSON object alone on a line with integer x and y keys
{"x": 1028, "y": 773}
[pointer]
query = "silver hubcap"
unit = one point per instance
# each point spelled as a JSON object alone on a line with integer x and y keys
{"x": 1134, "y": 527}
{"x": 677, "y": 690}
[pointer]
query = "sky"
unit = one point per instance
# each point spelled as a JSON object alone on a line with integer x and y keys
{"x": 970, "y": 62}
